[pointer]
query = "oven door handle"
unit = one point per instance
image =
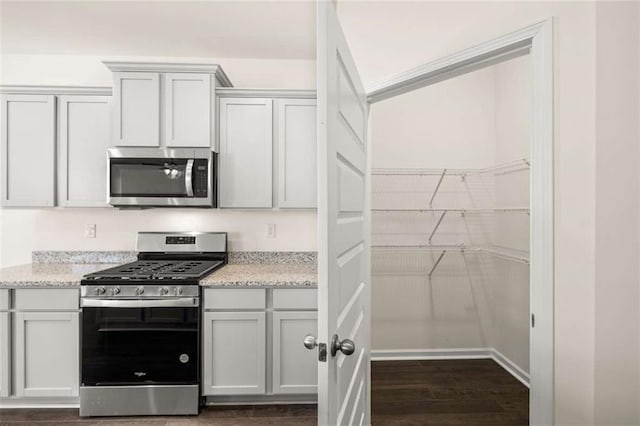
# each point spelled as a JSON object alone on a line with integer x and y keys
{"x": 140, "y": 303}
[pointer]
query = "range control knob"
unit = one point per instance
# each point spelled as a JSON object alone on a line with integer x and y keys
{"x": 179, "y": 291}
{"x": 100, "y": 290}
{"x": 139, "y": 290}
{"x": 115, "y": 290}
{"x": 164, "y": 290}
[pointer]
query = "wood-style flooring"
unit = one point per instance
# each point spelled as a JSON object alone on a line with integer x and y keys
{"x": 443, "y": 393}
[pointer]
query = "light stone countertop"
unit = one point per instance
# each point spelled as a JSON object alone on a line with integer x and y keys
{"x": 58, "y": 275}
{"x": 264, "y": 275}
{"x": 65, "y": 275}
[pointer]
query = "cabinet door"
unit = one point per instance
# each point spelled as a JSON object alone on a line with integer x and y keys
{"x": 28, "y": 150}
{"x": 234, "y": 353}
{"x": 297, "y": 153}
{"x": 245, "y": 178}
{"x": 136, "y": 112}
{"x": 5, "y": 360}
{"x": 188, "y": 110}
{"x": 84, "y": 139}
{"x": 46, "y": 352}
{"x": 295, "y": 368}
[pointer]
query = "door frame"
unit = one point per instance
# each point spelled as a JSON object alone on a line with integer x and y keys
{"x": 536, "y": 40}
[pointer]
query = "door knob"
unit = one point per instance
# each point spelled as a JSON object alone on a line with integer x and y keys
{"x": 310, "y": 342}
{"x": 345, "y": 346}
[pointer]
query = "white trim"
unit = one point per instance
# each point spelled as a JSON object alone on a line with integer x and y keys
{"x": 452, "y": 354}
{"x": 266, "y": 93}
{"x": 427, "y": 354}
{"x": 515, "y": 43}
{"x": 19, "y": 405}
{"x": 511, "y": 367}
{"x": 170, "y": 67}
{"x": 537, "y": 39}
{"x": 55, "y": 90}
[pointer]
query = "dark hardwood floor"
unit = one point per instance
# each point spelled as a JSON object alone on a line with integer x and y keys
{"x": 443, "y": 393}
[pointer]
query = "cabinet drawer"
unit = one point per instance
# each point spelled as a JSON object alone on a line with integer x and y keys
{"x": 235, "y": 298}
{"x": 4, "y": 299}
{"x": 295, "y": 298}
{"x": 66, "y": 299}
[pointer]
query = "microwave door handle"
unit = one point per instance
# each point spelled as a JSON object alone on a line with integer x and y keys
{"x": 188, "y": 178}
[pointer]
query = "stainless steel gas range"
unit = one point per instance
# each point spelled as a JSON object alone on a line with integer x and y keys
{"x": 140, "y": 328}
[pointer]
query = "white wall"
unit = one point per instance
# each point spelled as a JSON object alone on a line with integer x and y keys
{"x": 25, "y": 230}
{"x": 513, "y": 99}
{"x": 388, "y": 37}
{"x": 617, "y": 352}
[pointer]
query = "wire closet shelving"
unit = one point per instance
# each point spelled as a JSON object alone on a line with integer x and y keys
{"x": 519, "y": 165}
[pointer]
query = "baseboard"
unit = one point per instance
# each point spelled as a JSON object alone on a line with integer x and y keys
{"x": 418, "y": 354}
{"x": 470, "y": 353}
{"x": 511, "y": 367}
{"x": 29, "y": 405}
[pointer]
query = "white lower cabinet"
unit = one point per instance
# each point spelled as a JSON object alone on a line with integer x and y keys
{"x": 4, "y": 354}
{"x": 46, "y": 354}
{"x": 234, "y": 353}
{"x": 258, "y": 348}
{"x": 39, "y": 344}
{"x": 295, "y": 368}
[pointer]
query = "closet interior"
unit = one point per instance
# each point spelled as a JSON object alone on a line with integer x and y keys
{"x": 450, "y": 219}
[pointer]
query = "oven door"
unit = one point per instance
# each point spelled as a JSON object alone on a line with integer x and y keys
{"x": 160, "y": 177}
{"x": 140, "y": 342}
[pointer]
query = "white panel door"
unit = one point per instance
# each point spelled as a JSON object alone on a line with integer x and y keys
{"x": 343, "y": 229}
{"x": 188, "y": 101}
{"x": 234, "y": 356}
{"x": 297, "y": 153}
{"x": 28, "y": 150}
{"x": 136, "y": 119}
{"x": 246, "y": 153}
{"x": 46, "y": 354}
{"x": 5, "y": 354}
{"x": 295, "y": 369}
{"x": 84, "y": 138}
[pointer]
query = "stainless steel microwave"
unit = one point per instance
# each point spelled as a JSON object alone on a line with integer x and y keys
{"x": 153, "y": 177}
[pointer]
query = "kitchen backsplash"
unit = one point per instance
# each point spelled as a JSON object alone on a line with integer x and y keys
{"x": 238, "y": 257}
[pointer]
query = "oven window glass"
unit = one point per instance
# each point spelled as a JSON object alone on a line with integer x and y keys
{"x": 144, "y": 346}
{"x": 148, "y": 177}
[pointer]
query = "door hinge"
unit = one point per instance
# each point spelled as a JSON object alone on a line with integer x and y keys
{"x": 533, "y": 321}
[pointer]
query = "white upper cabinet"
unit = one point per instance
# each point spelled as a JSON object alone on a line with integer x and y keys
{"x": 296, "y": 137}
{"x": 189, "y": 110}
{"x": 246, "y": 149}
{"x": 83, "y": 123}
{"x": 28, "y": 150}
{"x": 165, "y": 104}
{"x": 136, "y": 112}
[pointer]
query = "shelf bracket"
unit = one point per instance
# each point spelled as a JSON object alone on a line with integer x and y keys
{"x": 435, "y": 228}
{"x": 444, "y": 172}
{"x": 435, "y": 265}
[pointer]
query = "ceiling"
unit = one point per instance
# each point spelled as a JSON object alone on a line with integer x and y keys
{"x": 234, "y": 29}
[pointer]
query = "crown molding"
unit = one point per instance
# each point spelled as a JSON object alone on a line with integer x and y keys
{"x": 55, "y": 90}
{"x": 127, "y": 66}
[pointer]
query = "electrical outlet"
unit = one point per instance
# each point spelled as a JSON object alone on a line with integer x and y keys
{"x": 271, "y": 230}
{"x": 90, "y": 230}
